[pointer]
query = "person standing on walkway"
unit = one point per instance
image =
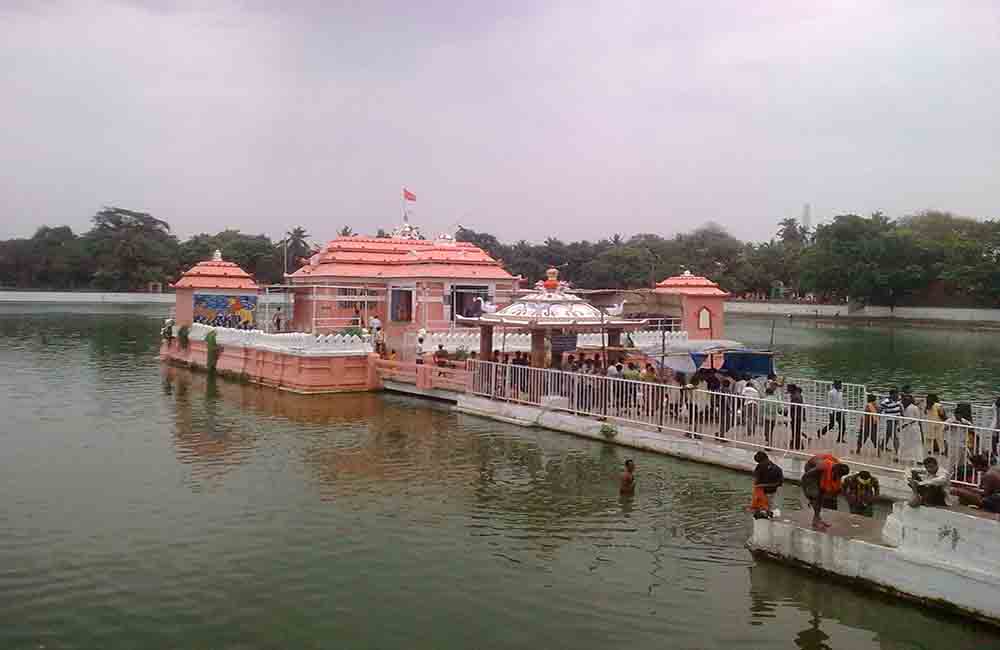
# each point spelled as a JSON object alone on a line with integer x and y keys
{"x": 770, "y": 410}
{"x": 277, "y": 320}
{"x": 934, "y": 412}
{"x": 796, "y": 415}
{"x": 751, "y": 407}
{"x": 960, "y": 437}
{"x": 835, "y": 400}
{"x": 911, "y": 434}
{"x": 892, "y": 408}
{"x": 869, "y": 425}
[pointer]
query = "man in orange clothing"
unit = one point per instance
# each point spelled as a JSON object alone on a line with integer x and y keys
{"x": 821, "y": 485}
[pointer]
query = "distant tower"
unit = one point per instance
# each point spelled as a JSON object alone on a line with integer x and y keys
{"x": 807, "y": 217}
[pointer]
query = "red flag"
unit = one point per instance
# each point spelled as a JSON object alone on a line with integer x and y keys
{"x": 408, "y": 195}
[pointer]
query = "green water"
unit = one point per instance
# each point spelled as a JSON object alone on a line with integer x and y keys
{"x": 955, "y": 363}
{"x": 143, "y": 507}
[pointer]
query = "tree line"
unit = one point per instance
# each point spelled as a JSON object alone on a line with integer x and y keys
{"x": 928, "y": 258}
{"x": 127, "y": 250}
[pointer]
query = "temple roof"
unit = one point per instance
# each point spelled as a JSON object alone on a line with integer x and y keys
{"x": 395, "y": 257}
{"x": 690, "y": 285}
{"x": 551, "y": 305}
{"x": 216, "y": 273}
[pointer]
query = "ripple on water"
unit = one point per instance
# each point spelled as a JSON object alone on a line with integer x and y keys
{"x": 149, "y": 507}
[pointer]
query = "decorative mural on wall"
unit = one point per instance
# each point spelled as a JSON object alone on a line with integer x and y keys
{"x": 225, "y": 311}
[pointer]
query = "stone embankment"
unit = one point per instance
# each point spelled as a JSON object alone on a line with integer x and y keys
{"x": 936, "y": 315}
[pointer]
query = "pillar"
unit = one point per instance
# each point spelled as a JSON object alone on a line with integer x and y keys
{"x": 614, "y": 341}
{"x": 184, "y": 307}
{"x": 537, "y": 348}
{"x": 486, "y": 343}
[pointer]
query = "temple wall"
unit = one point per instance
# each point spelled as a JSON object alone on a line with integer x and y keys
{"x": 295, "y": 362}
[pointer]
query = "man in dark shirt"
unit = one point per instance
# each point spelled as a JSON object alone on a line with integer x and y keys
{"x": 767, "y": 478}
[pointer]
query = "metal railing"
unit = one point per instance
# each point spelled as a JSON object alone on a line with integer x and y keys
{"x": 892, "y": 444}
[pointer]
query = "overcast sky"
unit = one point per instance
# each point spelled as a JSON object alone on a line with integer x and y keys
{"x": 525, "y": 119}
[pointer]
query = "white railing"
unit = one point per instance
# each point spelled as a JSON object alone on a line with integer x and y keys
{"x": 890, "y": 443}
{"x": 816, "y": 391}
{"x": 468, "y": 339}
{"x": 295, "y": 343}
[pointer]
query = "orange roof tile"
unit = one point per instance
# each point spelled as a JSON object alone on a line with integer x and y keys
{"x": 366, "y": 257}
{"x": 216, "y": 274}
{"x": 691, "y": 285}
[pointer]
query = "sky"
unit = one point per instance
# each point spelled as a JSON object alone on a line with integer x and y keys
{"x": 528, "y": 120}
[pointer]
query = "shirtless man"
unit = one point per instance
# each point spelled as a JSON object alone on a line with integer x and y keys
{"x": 987, "y": 497}
{"x": 628, "y": 479}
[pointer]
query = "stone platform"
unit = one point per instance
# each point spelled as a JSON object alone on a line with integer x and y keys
{"x": 944, "y": 558}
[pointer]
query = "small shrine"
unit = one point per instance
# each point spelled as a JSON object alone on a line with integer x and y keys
{"x": 551, "y": 313}
{"x": 216, "y": 292}
{"x": 701, "y": 303}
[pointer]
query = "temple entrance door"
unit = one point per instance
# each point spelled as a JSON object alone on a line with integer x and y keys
{"x": 463, "y": 299}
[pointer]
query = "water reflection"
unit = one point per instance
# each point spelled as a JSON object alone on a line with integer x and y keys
{"x": 894, "y": 625}
{"x": 205, "y": 436}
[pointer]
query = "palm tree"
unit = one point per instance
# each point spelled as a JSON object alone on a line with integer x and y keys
{"x": 297, "y": 246}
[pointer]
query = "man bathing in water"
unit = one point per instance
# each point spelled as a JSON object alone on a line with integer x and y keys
{"x": 628, "y": 479}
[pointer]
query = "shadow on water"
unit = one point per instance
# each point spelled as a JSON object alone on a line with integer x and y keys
{"x": 775, "y": 588}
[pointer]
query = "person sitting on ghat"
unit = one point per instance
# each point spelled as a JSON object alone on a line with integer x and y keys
{"x": 933, "y": 490}
{"x": 987, "y": 497}
{"x": 627, "y": 486}
{"x": 861, "y": 490}
{"x": 767, "y": 478}
{"x": 821, "y": 483}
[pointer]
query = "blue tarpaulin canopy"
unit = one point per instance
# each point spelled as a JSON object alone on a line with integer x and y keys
{"x": 688, "y": 356}
{"x": 749, "y": 362}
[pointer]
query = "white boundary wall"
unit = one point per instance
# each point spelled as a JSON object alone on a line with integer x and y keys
{"x": 783, "y": 309}
{"x": 290, "y": 343}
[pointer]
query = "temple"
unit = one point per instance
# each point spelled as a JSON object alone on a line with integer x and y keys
{"x": 408, "y": 283}
{"x": 216, "y": 292}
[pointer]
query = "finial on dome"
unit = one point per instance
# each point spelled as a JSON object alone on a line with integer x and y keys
{"x": 217, "y": 255}
{"x": 552, "y": 279}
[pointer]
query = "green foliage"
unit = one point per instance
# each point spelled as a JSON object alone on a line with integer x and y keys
{"x": 299, "y": 250}
{"x": 927, "y": 258}
{"x": 609, "y": 431}
{"x": 255, "y": 254}
{"x": 184, "y": 336}
{"x": 351, "y": 331}
{"x": 212, "y": 351}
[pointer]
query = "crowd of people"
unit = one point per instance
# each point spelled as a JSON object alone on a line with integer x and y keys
{"x": 897, "y": 428}
{"x": 234, "y": 321}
